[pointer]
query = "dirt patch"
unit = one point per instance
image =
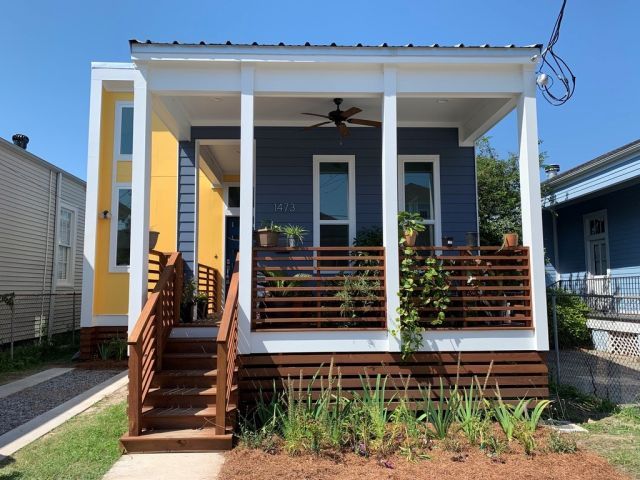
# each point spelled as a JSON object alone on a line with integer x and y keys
{"x": 103, "y": 365}
{"x": 247, "y": 464}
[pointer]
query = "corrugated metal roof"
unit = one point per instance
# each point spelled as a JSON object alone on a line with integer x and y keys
{"x": 595, "y": 163}
{"x": 308, "y": 44}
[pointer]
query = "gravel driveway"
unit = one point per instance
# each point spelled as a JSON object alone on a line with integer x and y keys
{"x": 27, "y": 404}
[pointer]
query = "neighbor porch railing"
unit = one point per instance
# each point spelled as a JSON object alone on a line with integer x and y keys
{"x": 489, "y": 287}
{"x": 208, "y": 284}
{"x": 318, "y": 288}
{"x": 227, "y": 351}
{"x": 148, "y": 338}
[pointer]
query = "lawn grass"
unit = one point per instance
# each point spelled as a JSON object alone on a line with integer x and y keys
{"x": 617, "y": 438}
{"x": 84, "y": 448}
{"x": 33, "y": 354}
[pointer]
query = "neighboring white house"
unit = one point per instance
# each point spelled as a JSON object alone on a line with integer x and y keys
{"x": 41, "y": 244}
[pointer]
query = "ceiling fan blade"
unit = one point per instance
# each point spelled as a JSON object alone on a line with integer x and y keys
{"x": 316, "y": 115}
{"x": 344, "y": 131}
{"x": 351, "y": 112}
{"x": 361, "y": 121}
{"x": 316, "y": 125}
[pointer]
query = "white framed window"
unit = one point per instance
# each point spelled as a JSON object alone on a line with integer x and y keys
{"x": 419, "y": 191}
{"x": 596, "y": 242}
{"x": 123, "y": 131}
{"x": 334, "y": 200}
{"x": 231, "y": 197}
{"x": 120, "y": 239}
{"x": 66, "y": 245}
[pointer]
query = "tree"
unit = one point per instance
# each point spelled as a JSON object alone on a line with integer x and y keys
{"x": 498, "y": 193}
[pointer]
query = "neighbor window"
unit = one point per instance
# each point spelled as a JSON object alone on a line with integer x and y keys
{"x": 124, "y": 130}
{"x": 418, "y": 190}
{"x": 334, "y": 200}
{"x": 596, "y": 243}
{"x": 66, "y": 237}
{"x": 122, "y": 231}
{"x": 233, "y": 200}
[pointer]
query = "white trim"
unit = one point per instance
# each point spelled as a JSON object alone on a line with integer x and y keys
{"x": 435, "y": 161}
{"x": 113, "y": 228}
{"x": 229, "y": 211}
{"x": 350, "y": 160}
{"x": 117, "y": 132}
{"x": 587, "y": 237}
{"x": 91, "y": 201}
{"x": 70, "y": 280}
{"x": 109, "y": 321}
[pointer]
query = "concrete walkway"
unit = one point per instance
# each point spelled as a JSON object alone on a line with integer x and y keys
{"x": 169, "y": 466}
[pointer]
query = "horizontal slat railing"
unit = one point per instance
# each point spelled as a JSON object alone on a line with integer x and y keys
{"x": 157, "y": 262}
{"x": 227, "y": 352}
{"x": 489, "y": 287}
{"x": 148, "y": 338}
{"x": 318, "y": 287}
{"x": 208, "y": 284}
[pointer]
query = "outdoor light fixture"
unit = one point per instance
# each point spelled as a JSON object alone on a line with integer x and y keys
{"x": 105, "y": 214}
{"x": 447, "y": 241}
{"x": 542, "y": 80}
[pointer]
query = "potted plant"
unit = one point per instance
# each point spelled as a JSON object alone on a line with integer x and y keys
{"x": 188, "y": 301}
{"x": 202, "y": 305}
{"x": 268, "y": 234}
{"x": 294, "y": 233}
{"x": 410, "y": 224}
{"x": 509, "y": 240}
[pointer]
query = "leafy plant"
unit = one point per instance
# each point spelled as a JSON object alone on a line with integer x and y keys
{"x": 422, "y": 285}
{"x": 368, "y": 237}
{"x": 370, "y": 416}
{"x": 104, "y": 351}
{"x": 358, "y": 292}
{"x": 441, "y": 414}
{"x": 562, "y": 442}
{"x": 269, "y": 225}
{"x": 571, "y": 313}
{"x": 471, "y": 414}
{"x": 283, "y": 283}
{"x": 409, "y": 223}
{"x": 295, "y": 232}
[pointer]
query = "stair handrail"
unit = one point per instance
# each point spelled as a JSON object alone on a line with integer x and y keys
{"x": 149, "y": 336}
{"x": 227, "y": 350}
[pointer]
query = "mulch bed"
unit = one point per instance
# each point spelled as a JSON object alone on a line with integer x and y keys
{"x": 250, "y": 464}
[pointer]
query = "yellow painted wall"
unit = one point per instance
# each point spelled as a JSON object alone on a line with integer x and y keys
{"x": 210, "y": 223}
{"x": 111, "y": 290}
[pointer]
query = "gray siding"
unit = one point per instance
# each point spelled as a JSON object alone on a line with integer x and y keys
{"x": 187, "y": 203}
{"x": 284, "y": 171}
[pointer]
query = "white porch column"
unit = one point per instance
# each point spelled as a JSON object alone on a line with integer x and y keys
{"x": 531, "y": 203}
{"x": 247, "y": 169}
{"x": 390, "y": 200}
{"x": 140, "y": 187}
{"x": 91, "y": 205}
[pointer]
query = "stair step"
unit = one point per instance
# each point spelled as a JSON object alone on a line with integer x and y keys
{"x": 184, "y": 417}
{"x": 191, "y": 345}
{"x": 182, "y": 397}
{"x": 185, "y": 378}
{"x": 189, "y": 361}
{"x": 179, "y": 440}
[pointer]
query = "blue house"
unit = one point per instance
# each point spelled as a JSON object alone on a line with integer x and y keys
{"x": 591, "y": 219}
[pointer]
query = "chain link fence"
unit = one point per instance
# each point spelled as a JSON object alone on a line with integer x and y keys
{"x": 595, "y": 336}
{"x": 37, "y": 316}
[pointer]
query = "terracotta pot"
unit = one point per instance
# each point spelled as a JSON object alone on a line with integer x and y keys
{"x": 268, "y": 238}
{"x": 510, "y": 240}
{"x": 410, "y": 239}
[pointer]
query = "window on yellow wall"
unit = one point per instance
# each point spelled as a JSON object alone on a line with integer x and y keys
{"x": 120, "y": 246}
{"x": 124, "y": 130}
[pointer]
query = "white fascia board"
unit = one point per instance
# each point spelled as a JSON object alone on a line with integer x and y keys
{"x": 210, "y": 167}
{"x": 110, "y": 72}
{"x": 478, "y": 340}
{"x": 155, "y": 52}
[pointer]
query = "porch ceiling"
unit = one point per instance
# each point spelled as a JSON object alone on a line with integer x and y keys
{"x": 287, "y": 111}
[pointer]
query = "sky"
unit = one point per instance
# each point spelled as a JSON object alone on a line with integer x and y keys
{"x": 46, "y": 48}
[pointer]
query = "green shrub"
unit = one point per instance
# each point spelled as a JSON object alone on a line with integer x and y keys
{"x": 562, "y": 442}
{"x": 572, "y": 314}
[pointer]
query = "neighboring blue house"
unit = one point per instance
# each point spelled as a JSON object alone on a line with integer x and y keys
{"x": 591, "y": 217}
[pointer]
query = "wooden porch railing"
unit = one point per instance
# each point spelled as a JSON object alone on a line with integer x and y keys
{"x": 157, "y": 261}
{"x": 489, "y": 287}
{"x": 227, "y": 351}
{"x": 208, "y": 284}
{"x": 148, "y": 338}
{"x": 318, "y": 287}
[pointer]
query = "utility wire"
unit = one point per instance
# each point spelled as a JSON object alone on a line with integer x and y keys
{"x": 560, "y": 78}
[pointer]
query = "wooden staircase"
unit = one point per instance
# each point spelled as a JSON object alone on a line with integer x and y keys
{"x": 182, "y": 391}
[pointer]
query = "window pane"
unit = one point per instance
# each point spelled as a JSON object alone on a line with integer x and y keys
{"x": 123, "y": 242}
{"x": 126, "y": 131}
{"x": 418, "y": 188}
{"x": 65, "y": 226}
{"x": 234, "y": 197}
{"x": 426, "y": 238}
{"x": 334, "y": 191}
{"x": 334, "y": 235}
{"x": 63, "y": 262}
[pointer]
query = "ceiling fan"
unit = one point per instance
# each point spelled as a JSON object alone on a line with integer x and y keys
{"x": 342, "y": 117}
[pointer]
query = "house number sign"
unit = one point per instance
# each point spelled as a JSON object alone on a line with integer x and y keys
{"x": 284, "y": 207}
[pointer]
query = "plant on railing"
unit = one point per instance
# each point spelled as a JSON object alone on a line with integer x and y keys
{"x": 274, "y": 279}
{"x": 409, "y": 225}
{"x": 294, "y": 233}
